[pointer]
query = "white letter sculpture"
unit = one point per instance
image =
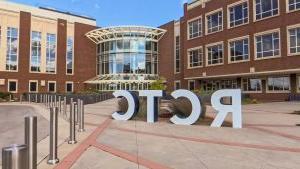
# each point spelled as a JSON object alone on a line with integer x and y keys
{"x": 196, "y": 108}
{"x": 235, "y": 108}
{"x": 133, "y": 105}
{"x": 152, "y": 103}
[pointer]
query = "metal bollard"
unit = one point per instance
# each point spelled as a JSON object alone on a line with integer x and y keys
{"x": 41, "y": 99}
{"x": 65, "y": 106}
{"x": 29, "y": 97}
{"x": 51, "y": 101}
{"x": 21, "y": 98}
{"x": 72, "y": 138}
{"x": 59, "y": 104}
{"x": 81, "y": 117}
{"x": 14, "y": 157}
{"x": 78, "y": 111}
{"x": 53, "y": 136}
{"x": 55, "y": 101}
{"x": 31, "y": 140}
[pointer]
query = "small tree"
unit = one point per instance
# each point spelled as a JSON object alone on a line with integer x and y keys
{"x": 158, "y": 84}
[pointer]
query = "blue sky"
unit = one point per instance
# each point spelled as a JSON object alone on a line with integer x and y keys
{"x": 119, "y": 12}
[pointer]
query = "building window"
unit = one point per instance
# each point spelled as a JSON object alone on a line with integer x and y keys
{"x": 294, "y": 40}
{"x": 214, "y": 22}
{"x": 266, "y": 8}
{"x": 70, "y": 55}
{"x": 238, "y": 14}
{"x": 195, "y": 28}
{"x": 278, "y": 84}
{"x": 36, "y": 48}
{"x": 293, "y": 5}
{"x": 252, "y": 85}
{"x": 267, "y": 45}
{"x": 69, "y": 87}
{"x": 191, "y": 85}
{"x": 52, "y": 87}
{"x": 12, "y": 49}
{"x": 239, "y": 50}
{"x": 13, "y": 86}
{"x": 195, "y": 57}
{"x": 51, "y": 53}
{"x": 177, "y": 54}
{"x": 215, "y": 54}
{"x": 213, "y": 85}
{"x": 177, "y": 85}
{"x": 33, "y": 86}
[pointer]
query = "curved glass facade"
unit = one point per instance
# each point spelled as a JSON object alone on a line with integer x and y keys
{"x": 127, "y": 57}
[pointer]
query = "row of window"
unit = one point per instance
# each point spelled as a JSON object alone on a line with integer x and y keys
{"x": 248, "y": 85}
{"x": 34, "y": 86}
{"x": 267, "y": 45}
{"x": 12, "y": 40}
{"x": 238, "y": 14}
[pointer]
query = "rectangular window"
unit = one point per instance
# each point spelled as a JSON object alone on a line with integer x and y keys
{"x": 177, "y": 85}
{"x": 13, "y": 86}
{"x": 195, "y": 28}
{"x": 51, "y": 53}
{"x": 294, "y": 40}
{"x": 278, "y": 84}
{"x": 69, "y": 87}
{"x": 214, "y": 22}
{"x": 239, "y": 50}
{"x": 195, "y": 57}
{"x": 238, "y": 14}
{"x": 267, "y": 45}
{"x": 12, "y": 49}
{"x": 70, "y": 55}
{"x": 191, "y": 85}
{"x": 33, "y": 86}
{"x": 293, "y": 5}
{"x": 52, "y": 87}
{"x": 214, "y": 85}
{"x": 215, "y": 54}
{"x": 177, "y": 54}
{"x": 252, "y": 85}
{"x": 266, "y": 8}
{"x": 36, "y": 48}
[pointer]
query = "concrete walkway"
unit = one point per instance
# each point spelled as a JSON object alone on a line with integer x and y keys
{"x": 269, "y": 140}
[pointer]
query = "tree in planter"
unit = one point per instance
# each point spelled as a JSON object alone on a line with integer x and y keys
{"x": 158, "y": 84}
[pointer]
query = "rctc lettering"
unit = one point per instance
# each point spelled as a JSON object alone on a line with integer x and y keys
{"x": 152, "y": 103}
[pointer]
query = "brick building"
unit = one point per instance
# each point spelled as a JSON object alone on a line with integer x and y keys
{"x": 44, "y": 50}
{"x": 249, "y": 44}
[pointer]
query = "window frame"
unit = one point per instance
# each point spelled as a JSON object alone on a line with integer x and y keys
{"x": 206, "y": 21}
{"x": 73, "y": 56}
{"x": 228, "y": 13}
{"x": 8, "y": 85}
{"x": 49, "y": 88}
{"x": 18, "y": 47}
{"x": 177, "y": 82}
{"x": 283, "y": 91}
{"x": 288, "y": 9}
{"x": 254, "y": 12}
{"x": 189, "y": 84}
{"x": 69, "y": 82}
{"x": 289, "y": 40}
{"x": 37, "y": 86}
{"x": 56, "y": 55}
{"x": 188, "y": 57}
{"x": 264, "y": 33}
{"x": 188, "y": 27}
{"x": 175, "y": 55}
{"x": 229, "y": 51}
{"x": 248, "y": 78}
{"x": 206, "y": 53}
{"x": 41, "y": 54}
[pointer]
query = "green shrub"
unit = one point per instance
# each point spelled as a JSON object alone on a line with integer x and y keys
{"x": 4, "y": 95}
{"x": 158, "y": 84}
